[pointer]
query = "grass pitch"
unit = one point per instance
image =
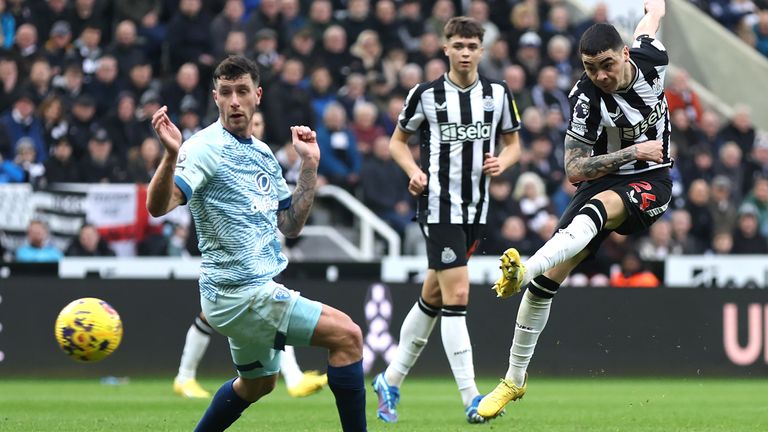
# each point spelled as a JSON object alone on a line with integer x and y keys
{"x": 596, "y": 404}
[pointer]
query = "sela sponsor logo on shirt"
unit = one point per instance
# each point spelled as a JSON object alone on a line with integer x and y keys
{"x": 450, "y": 132}
{"x": 639, "y": 129}
{"x": 448, "y": 256}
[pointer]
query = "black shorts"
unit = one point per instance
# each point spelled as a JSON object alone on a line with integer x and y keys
{"x": 646, "y": 197}
{"x": 450, "y": 245}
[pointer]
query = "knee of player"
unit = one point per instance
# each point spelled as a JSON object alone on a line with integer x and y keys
{"x": 353, "y": 336}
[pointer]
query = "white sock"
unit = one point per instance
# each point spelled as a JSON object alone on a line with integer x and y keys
{"x": 414, "y": 333}
{"x": 565, "y": 244}
{"x": 458, "y": 349}
{"x": 198, "y": 337}
{"x": 531, "y": 318}
{"x": 289, "y": 368}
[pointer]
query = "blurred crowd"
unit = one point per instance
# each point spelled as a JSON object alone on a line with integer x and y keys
{"x": 748, "y": 19}
{"x": 81, "y": 78}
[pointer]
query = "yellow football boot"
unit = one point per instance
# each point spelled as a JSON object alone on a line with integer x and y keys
{"x": 512, "y": 273}
{"x": 189, "y": 389}
{"x": 311, "y": 383}
{"x": 494, "y": 402}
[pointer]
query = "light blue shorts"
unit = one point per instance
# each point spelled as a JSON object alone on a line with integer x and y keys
{"x": 259, "y": 321}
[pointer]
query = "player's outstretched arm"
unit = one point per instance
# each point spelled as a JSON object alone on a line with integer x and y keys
{"x": 291, "y": 220}
{"x": 649, "y": 24}
{"x": 398, "y": 148}
{"x": 581, "y": 166}
{"x": 162, "y": 194}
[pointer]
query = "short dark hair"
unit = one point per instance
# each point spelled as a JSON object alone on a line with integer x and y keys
{"x": 464, "y": 27}
{"x": 599, "y": 38}
{"x": 234, "y": 67}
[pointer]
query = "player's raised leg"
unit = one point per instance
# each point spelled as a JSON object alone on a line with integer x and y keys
{"x": 196, "y": 343}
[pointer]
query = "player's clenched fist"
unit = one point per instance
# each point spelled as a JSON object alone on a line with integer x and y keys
{"x": 650, "y": 151}
{"x": 418, "y": 183}
{"x": 305, "y": 141}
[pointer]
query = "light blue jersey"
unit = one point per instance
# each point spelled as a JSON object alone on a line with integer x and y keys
{"x": 234, "y": 188}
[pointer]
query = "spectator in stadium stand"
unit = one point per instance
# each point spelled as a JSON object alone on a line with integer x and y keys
{"x": 686, "y": 135}
{"x": 700, "y": 165}
{"x": 558, "y": 23}
{"x": 394, "y": 106}
{"x": 336, "y": 56}
{"x": 321, "y": 18}
{"x": 740, "y": 129}
{"x": 391, "y": 64}
{"x": 387, "y": 25}
{"x": 135, "y": 10}
{"x": 99, "y": 165}
{"x": 61, "y": 167}
{"x": 697, "y": 206}
{"x": 761, "y": 33}
{"x": 186, "y": 83}
{"x": 633, "y": 274}
{"x": 412, "y": 24}
{"x": 321, "y": 91}
{"x": 82, "y": 122}
{"x": 367, "y": 51}
{"x": 747, "y": 239}
{"x": 10, "y": 173}
{"x": 709, "y": 126}
{"x": 434, "y": 69}
{"x": 51, "y": 113}
{"x": 530, "y": 194}
{"x": 140, "y": 79}
{"x": 88, "y": 48}
{"x": 442, "y": 11}
{"x": 12, "y": 86}
{"x": 658, "y": 244}
{"x": 729, "y": 164}
{"x": 599, "y": 15}
{"x": 758, "y": 198}
{"x": 356, "y": 18}
{"x": 36, "y": 247}
{"x": 293, "y": 20}
{"x": 104, "y": 86}
{"x": 39, "y": 83}
{"x": 25, "y": 45}
{"x": 562, "y": 196}
{"x": 189, "y": 119}
{"x": 353, "y": 92}
{"x": 721, "y": 206}
{"x": 429, "y": 49}
{"x": 515, "y": 77}
{"x": 722, "y": 243}
{"x": 683, "y": 242}
{"x": 546, "y": 94}
{"x": 26, "y": 159}
{"x": 286, "y": 103}
{"x": 149, "y": 103}
{"x": 302, "y": 47}
{"x": 69, "y": 85}
{"x": 59, "y": 48}
{"x": 228, "y": 20}
{"x": 385, "y": 187}
{"x": 152, "y": 34}
{"x": 501, "y": 206}
{"x": 189, "y": 38}
{"x": 496, "y": 60}
{"x": 46, "y": 14}
{"x": 267, "y": 16}
{"x": 559, "y": 56}
{"x": 144, "y": 160}
{"x": 235, "y": 44}
{"x": 528, "y": 55}
{"x": 680, "y": 96}
{"x": 22, "y": 122}
{"x": 90, "y": 12}
{"x": 542, "y": 161}
{"x": 480, "y": 11}
{"x": 365, "y": 128}
{"x": 410, "y": 75}
{"x": 125, "y": 47}
{"x": 524, "y": 18}
{"x": 121, "y": 125}
{"x": 341, "y": 160}
{"x": 265, "y": 53}
{"x": 88, "y": 243}
{"x": 757, "y": 163}
{"x": 532, "y": 125}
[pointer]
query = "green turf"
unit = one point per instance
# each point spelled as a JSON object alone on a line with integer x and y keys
{"x": 597, "y": 404}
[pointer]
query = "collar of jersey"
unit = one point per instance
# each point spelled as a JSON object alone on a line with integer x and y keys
{"x": 239, "y": 139}
{"x": 634, "y": 80}
{"x": 456, "y": 86}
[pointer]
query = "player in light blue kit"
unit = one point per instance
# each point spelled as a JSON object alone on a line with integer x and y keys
{"x": 239, "y": 199}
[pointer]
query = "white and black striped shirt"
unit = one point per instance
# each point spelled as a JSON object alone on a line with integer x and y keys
{"x": 612, "y": 121}
{"x": 457, "y": 127}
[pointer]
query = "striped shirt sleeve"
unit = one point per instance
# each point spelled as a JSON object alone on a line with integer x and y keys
{"x": 510, "y": 117}
{"x": 412, "y": 115}
{"x": 196, "y": 164}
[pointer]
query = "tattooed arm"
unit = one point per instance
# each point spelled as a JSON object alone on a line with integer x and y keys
{"x": 291, "y": 220}
{"x": 580, "y": 166}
